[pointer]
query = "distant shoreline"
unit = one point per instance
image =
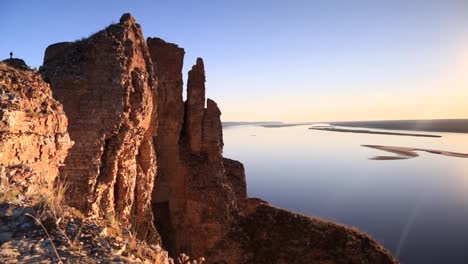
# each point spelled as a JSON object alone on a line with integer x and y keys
{"x": 429, "y": 125}
{"x": 362, "y": 131}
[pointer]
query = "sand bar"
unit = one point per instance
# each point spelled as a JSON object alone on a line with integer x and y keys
{"x": 364, "y": 131}
{"x": 408, "y": 153}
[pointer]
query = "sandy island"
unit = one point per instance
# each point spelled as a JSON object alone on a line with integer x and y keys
{"x": 285, "y": 125}
{"x": 363, "y": 131}
{"x": 408, "y": 153}
{"x": 434, "y": 125}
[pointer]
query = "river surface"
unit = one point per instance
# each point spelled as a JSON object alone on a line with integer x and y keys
{"x": 417, "y": 208}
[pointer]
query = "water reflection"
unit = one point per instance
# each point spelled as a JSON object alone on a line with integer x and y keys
{"x": 415, "y": 207}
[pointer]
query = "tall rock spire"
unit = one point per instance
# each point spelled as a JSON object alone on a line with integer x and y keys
{"x": 195, "y": 106}
{"x": 212, "y": 131}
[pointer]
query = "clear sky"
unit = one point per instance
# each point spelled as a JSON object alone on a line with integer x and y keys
{"x": 285, "y": 60}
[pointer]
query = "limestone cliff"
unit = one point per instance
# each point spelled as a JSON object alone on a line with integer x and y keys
{"x": 107, "y": 86}
{"x": 33, "y": 129}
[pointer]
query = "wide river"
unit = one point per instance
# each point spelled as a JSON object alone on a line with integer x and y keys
{"x": 417, "y": 208}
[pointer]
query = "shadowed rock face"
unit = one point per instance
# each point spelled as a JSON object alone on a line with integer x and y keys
{"x": 33, "y": 130}
{"x": 169, "y": 192}
{"x": 106, "y": 84}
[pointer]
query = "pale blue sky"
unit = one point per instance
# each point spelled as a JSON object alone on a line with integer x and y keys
{"x": 286, "y": 60}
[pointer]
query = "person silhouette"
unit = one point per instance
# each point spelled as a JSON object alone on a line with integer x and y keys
{"x": 11, "y": 55}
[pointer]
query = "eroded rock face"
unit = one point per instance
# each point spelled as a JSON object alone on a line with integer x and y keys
{"x": 107, "y": 86}
{"x": 33, "y": 130}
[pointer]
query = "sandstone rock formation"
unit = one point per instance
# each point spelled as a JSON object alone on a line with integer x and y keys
{"x": 133, "y": 132}
{"x": 33, "y": 129}
{"x": 106, "y": 84}
{"x": 191, "y": 199}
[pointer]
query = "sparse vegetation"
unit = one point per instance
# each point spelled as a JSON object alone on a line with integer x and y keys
{"x": 65, "y": 235}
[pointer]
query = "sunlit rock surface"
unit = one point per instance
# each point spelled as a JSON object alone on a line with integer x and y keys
{"x": 33, "y": 129}
{"x": 107, "y": 86}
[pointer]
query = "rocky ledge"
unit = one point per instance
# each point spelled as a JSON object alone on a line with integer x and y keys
{"x": 153, "y": 163}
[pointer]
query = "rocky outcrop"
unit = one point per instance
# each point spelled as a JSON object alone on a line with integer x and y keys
{"x": 106, "y": 84}
{"x": 271, "y": 235}
{"x": 16, "y": 63}
{"x": 33, "y": 129}
{"x": 141, "y": 151}
{"x": 235, "y": 174}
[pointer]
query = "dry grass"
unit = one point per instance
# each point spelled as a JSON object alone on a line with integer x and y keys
{"x": 50, "y": 207}
{"x": 73, "y": 236}
{"x": 8, "y": 194}
{"x": 48, "y": 235}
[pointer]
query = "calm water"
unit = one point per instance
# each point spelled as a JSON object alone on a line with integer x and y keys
{"x": 418, "y": 208}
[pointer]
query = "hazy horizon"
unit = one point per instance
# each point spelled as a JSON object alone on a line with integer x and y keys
{"x": 292, "y": 61}
{"x": 325, "y": 121}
